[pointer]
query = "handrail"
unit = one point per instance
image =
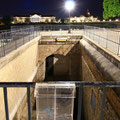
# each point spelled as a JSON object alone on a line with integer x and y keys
{"x": 107, "y": 38}
{"x": 79, "y": 84}
{"x": 11, "y": 40}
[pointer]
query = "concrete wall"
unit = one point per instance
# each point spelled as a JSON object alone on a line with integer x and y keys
{"x": 96, "y": 67}
{"x": 18, "y": 66}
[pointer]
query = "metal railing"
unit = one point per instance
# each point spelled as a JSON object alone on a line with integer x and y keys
{"x": 14, "y": 38}
{"x": 19, "y": 35}
{"x": 52, "y": 27}
{"x": 79, "y": 85}
{"x": 107, "y": 38}
{"x": 55, "y": 29}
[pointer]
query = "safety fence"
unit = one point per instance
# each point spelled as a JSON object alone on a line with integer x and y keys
{"x": 107, "y": 38}
{"x": 19, "y": 35}
{"x": 14, "y": 38}
{"x": 79, "y": 87}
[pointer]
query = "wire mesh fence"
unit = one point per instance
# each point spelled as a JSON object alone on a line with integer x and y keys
{"x": 109, "y": 39}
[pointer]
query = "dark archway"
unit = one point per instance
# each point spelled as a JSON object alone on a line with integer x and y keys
{"x": 56, "y": 67}
{"x": 49, "y": 66}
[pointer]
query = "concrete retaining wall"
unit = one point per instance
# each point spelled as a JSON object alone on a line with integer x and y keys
{"x": 18, "y": 66}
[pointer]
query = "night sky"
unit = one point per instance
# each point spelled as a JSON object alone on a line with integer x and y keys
{"x": 49, "y": 7}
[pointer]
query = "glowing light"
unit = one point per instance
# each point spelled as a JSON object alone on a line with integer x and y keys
{"x": 69, "y": 5}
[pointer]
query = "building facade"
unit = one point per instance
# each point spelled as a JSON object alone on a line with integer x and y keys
{"x": 20, "y": 19}
{"x": 83, "y": 19}
{"x": 35, "y": 18}
{"x": 48, "y": 19}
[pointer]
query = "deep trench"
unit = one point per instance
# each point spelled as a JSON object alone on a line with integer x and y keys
{"x": 50, "y": 75}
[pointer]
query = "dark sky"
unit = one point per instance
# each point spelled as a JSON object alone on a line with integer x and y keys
{"x": 49, "y": 7}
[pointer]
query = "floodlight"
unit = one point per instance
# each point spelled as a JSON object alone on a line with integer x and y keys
{"x": 69, "y": 5}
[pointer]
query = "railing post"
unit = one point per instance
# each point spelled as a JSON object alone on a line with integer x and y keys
{"x": 99, "y": 39}
{"x": 93, "y": 34}
{"x": 33, "y": 31}
{"x": 84, "y": 32}
{"x": 118, "y": 44}
{"x": 29, "y": 103}
{"x": 15, "y": 41}
{"x": 103, "y": 103}
{"x": 23, "y": 37}
{"x": 107, "y": 39}
{"x": 3, "y": 45}
{"x": 88, "y": 32}
{"x": 80, "y": 90}
{"x": 6, "y": 103}
{"x": 29, "y": 33}
{"x": 39, "y": 30}
{"x": 36, "y": 31}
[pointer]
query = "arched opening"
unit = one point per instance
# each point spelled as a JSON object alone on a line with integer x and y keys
{"x": 57, "y": 68}
{"x": 49, "y": 66}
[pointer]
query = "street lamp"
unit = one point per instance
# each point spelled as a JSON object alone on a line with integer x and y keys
{"x": 69, "y": 6}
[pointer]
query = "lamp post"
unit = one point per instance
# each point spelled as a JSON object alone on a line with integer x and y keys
{"x": 69, "y": 6}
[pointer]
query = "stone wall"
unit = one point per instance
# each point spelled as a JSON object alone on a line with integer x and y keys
{"x": 92, "y": 63}
{"x": 66, "y": 60}
{"x": 70, "y": 55}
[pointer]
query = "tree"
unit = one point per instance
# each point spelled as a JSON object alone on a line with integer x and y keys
{"x": 6, "y": 20}
{"x": 46, "y": 21}
{"x": 65, "y": 20}
{"x": 52, "y": 20}
{"x": 27, "y": 20}
{"x": 111, "y": 9}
